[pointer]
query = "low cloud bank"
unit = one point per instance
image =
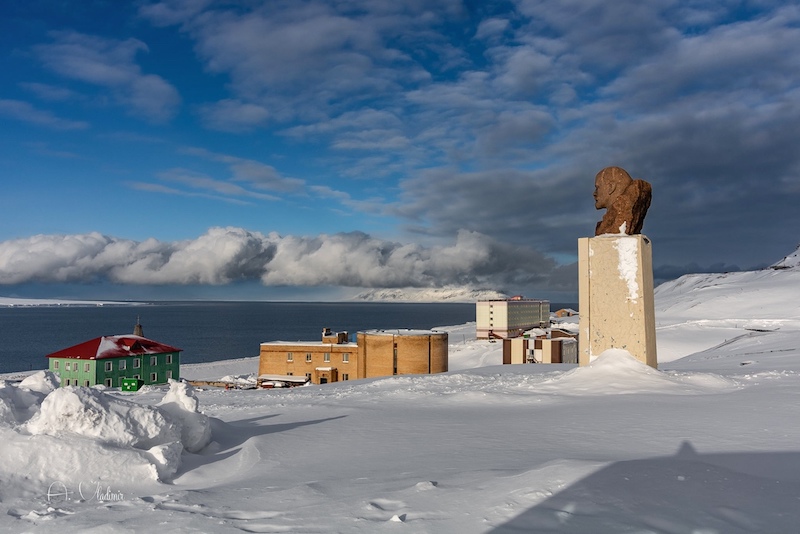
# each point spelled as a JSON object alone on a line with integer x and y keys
{"x": 227, "y": 255}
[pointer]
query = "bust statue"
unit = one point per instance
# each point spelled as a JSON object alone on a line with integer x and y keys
{"x": 625, "y": 200}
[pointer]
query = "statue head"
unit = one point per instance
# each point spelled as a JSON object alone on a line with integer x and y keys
{"x": 609, "y": 184}
{"x": 626, "y": 201}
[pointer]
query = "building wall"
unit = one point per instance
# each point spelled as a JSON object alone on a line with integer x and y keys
{"x": 79, "y": 372}
{"x": 385, "y": 353}
{"x": 274, "y": 360}
{"x": 375, "y": 354}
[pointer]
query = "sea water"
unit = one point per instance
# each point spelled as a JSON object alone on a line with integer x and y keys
{"x": 206, "y": 331}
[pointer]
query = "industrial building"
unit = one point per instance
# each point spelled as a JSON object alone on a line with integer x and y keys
{"x": 376, "y": 353}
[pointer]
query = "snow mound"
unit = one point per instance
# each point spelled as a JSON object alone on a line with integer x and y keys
{"x": 92, "y": 430}
{"x": 19, "y": 402}
{"x": 42, "y": 381}
{"x": 93, "y": 414}
{"x": 182, "y": 406}
{"x": 617, "y": 371}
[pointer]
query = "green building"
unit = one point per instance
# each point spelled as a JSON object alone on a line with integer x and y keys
{"x": 109, "y": 360}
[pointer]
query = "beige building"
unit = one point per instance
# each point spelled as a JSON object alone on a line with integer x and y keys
{"x": 376, "y": 353}
{"x": 540, "y": 350}
{"x": 510, "y": 317}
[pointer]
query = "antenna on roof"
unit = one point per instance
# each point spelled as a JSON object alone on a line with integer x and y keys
{"x": 138, "y": 330}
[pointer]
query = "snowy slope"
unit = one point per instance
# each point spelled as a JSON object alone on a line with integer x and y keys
{"x": 705, "y": 444}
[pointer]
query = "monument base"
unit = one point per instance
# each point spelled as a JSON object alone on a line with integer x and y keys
{"x": 615, "y": 283}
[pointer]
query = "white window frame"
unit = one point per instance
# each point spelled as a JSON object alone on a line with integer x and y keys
{"x": 86, "y": 384}
{"x": 308, "y": 357}
{"x": 55, "y": 364}
{"x": 123, "y": 364}
{"x": 137, "y": 363}
{"x": 87, "y": 367}
{"x": 153, "y": 361}
{"x": 154, "y": 377}
{"x": 346, "y": 357}
{"x": 108, "y": 382}
{"x": 289, "y": 357}
{"x": 169, "y": 359}
{"x": 326, "y": 357}
{"x": 169, "y": 374}
{"x": 109, "y": 366}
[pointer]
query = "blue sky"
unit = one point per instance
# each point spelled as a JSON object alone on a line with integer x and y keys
{"x": 193, "y": 148}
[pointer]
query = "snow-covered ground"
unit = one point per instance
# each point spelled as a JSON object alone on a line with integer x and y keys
{"x": 706, "y": 444}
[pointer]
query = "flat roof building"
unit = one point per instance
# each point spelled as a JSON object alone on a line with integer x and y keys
{"x": 508, "y": 318}
{"x": 376, "y": 353}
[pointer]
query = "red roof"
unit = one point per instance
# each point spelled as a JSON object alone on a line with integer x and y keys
{"x": 113, "y": 347}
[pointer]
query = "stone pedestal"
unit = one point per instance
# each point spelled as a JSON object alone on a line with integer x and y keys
{"x": 615, "y": 276}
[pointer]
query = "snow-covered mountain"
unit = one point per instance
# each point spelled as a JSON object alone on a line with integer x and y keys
{"x": 788, "y": 262}
{"x": 441, "y": 294}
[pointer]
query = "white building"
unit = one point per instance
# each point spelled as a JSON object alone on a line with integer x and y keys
{"x": 510, "y": 317}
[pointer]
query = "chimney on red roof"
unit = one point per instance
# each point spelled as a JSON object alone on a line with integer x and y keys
{"x": 138, "y": 330}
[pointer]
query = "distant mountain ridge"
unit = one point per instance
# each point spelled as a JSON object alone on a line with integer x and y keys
{"x": 441, "y": 294}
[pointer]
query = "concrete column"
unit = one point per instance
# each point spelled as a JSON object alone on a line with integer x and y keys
{"x": 615, "y": 284}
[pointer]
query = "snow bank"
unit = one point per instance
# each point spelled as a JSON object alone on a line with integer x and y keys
{"x": 617, "y": 371}
{"x": 94, "y": 414}
{"x": 85, "y": 434}
{"x": 182, "y": 406}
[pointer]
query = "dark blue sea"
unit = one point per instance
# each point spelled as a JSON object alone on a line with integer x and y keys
{"x": 206, "y": 331}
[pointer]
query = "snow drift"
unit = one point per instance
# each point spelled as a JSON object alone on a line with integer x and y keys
{"x": 95, "y": 435}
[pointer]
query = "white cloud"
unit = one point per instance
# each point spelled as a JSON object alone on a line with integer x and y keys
{"x": 110, "y": 63}
{"x": 231, "y": 115}
{"x": 225, "y": 255}
{"x": 25, "y": 112}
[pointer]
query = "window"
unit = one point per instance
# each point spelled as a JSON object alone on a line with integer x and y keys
{"x": 136, "y": 377}
{"x": 137, "y": 363}
{"x": 308, "y": 356}
{"x": 153, "y": 377}
{"x": 345, "y": 376}
{"x": 169, "y": 375}
{"x": 308, "y": 375}
{"x": 109, "y": 366}
{"x": 67, "y": 367}
{"x": 327, "y": 357}
{"x": 87, "y": 367}
{"x": 86, "y": 383}
{"x": 346, "y": 357}
{"x": 55, "y": 364}
{"x": 122, "y": 365}
{"x": 169, "y": 359}
{"x": 153, "y": 360}
{"x": 108, "y": 382}
{"x": 289, "y": 357}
